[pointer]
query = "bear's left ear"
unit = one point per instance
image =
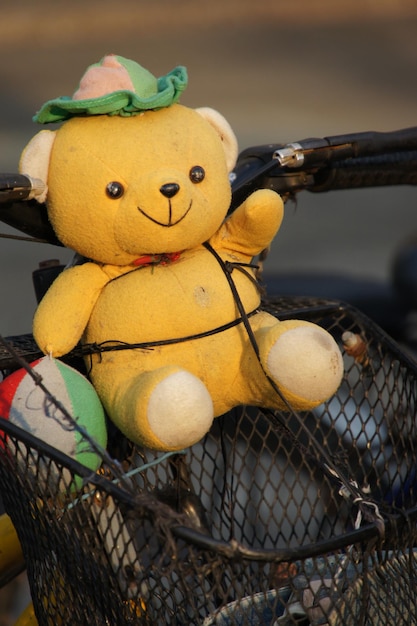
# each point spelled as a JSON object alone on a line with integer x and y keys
{"x": 35, "y": 158}
{"x": 225, "y": 132}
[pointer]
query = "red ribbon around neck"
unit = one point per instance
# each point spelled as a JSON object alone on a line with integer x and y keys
{"x": 157, "y": 259}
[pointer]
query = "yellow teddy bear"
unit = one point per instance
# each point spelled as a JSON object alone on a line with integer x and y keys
{"x": 165, "y": 302}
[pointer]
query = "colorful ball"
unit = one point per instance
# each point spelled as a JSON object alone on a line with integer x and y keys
{"x": 25, "y": 404}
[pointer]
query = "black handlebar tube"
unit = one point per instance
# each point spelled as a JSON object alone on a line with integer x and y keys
{"x": 29, "y": 217}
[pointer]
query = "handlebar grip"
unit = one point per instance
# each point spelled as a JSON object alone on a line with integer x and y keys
{"x": 372, "y": 143}
{"x": 20, "y": 187}
{"x": 397, "y": 168}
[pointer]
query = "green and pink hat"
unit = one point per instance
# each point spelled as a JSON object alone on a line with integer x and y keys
{"x": 116, "y": 86}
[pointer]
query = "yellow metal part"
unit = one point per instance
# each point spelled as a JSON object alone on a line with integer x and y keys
{"x": 27, "y": 618}
{"x": 12, "y": 563}
{"x": 11, "y": 557}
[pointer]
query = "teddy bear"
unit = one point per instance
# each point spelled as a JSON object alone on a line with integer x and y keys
{"x": 165, "y": 302}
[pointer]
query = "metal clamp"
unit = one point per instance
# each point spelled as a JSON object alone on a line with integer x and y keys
{"x": 291, "y": 155}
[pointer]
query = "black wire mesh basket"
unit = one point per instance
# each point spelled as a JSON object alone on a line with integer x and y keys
{"x": 274, "y": 518}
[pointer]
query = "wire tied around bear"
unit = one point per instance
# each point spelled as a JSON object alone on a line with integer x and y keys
{"x": 367, "y": 509}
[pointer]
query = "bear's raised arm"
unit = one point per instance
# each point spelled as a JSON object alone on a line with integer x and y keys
{"x": 63, "y": 313}
{"x": 252, "y": 227}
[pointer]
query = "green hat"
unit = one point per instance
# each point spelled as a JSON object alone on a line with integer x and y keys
{"x": 116, "y": 86}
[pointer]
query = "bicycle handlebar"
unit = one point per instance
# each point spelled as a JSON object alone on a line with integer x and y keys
{"x": 368, "y": 159}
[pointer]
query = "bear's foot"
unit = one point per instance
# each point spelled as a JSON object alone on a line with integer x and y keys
{"x": 304, "y": 361}
{"x": 166, "y": 409}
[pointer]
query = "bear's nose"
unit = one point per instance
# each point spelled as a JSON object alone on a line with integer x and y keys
{"x": 169, "y": 189}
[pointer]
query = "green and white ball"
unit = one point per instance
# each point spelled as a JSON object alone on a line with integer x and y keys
{"x": 25, "y": 404}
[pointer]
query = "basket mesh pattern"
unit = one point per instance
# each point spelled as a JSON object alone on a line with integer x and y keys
{"x": 275, "y": 518}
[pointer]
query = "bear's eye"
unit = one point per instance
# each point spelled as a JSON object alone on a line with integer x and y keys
{"x": 115, "y": 190}
{"x": 197, "y": 174}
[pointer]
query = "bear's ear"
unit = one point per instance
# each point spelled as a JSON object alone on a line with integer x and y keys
{"x": 225, "y": 132}
{"x": 34, "y": 161}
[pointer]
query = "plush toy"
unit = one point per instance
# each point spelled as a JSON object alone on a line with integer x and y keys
{"x": 139, "y": 185}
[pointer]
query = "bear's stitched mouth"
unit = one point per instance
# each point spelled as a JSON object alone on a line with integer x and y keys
{"x": 170, "y": 222}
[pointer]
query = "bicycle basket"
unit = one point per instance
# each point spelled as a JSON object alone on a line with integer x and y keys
{"x": 273, "y": 519}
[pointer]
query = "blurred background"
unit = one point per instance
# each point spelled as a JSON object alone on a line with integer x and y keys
{"x": 279, "y": 71}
